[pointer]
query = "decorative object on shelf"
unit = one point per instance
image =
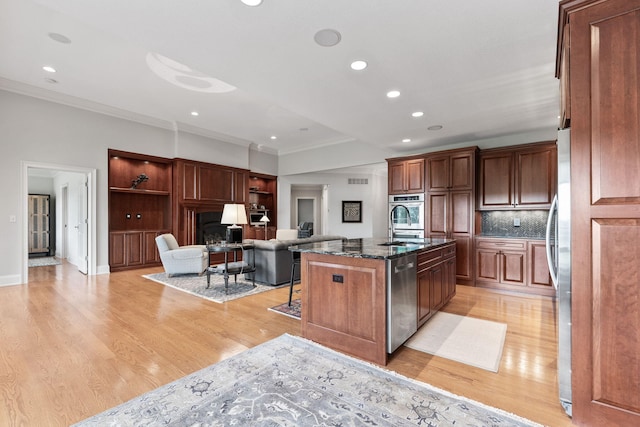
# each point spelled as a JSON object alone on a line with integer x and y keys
{"x": 139, "y": 180}
{"x": 236, "y": 215}
{"x": 352, "y": 211}
{"x": 265, "y": 219}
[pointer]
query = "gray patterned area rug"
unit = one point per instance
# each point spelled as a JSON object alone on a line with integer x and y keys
{"x": 290, "y": 381}
{"x": 43, "y": 261}
{"x": 197, "y": 285}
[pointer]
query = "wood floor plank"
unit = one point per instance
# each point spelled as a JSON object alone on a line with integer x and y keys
{"x": 73, "y": 346}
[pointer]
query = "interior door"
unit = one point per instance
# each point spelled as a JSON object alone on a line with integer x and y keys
{"x": 83, "y": 220}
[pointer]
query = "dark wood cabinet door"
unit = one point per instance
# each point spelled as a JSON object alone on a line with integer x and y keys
{"x": 438, "y": 173}
{"x": 535, "y": 178}
{"x": 487, "y": 265}
{"x": 396, "y": 177}
{"x": 450, "y": 269}
{"x": 437, "y": 286}
{"x": 215, "y": 183}
{"x": 462, "y": 167}
{"x": 513, "y": 269}
{"x": 151, "y": 254}
{"x": 117, "y": 252}
{"x": 134, "y": 244}
{"x": 415, "y": 175}
{"x": 538, "y": 266}
{"x": 189, "y": 181}
{"x": 406, "y": 176}
{"x": 496, "y": 180}
{"x": 424, "y": 296}
{"x": 437, "y": 205}
{"x": 605, "y": 191}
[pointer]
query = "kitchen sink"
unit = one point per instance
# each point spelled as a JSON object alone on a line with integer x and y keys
{"x": 393, "y": 243}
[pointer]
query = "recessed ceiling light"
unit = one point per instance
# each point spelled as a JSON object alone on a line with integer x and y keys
{"x": 274, "y": 137}
{"x": 359, "y": 65}
{"x": 393, "y": 94}
{"x": 327, "y": 37}
{"x": 417, "y": 114}
{"x": 49, "y": 69}
{"x": 252, "y": 2}
{"x": 406, "y": 140}
{"x": 195, "y": 113}
{"x": 61, "y": 38}
{"x": 435, "y": 127}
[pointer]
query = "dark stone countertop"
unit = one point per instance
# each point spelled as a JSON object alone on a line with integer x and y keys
{"x": 370, "y": 247}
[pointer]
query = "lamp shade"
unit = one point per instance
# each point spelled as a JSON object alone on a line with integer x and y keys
{"x": 234, "y": 214}
{"x": 264, "y": 218}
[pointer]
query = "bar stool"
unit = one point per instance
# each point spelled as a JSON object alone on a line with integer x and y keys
{"x": 295, "y": 261}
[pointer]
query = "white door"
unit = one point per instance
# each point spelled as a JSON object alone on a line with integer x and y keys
{"x": 83, "y": 220}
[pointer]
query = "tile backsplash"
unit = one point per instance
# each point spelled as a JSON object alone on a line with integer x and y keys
{"x": 533, "y": 224}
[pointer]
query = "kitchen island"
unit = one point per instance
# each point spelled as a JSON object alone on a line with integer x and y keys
{"x": 365, "y": 297}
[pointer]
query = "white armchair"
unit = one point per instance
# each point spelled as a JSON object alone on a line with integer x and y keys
{"x": 181, "y": 259}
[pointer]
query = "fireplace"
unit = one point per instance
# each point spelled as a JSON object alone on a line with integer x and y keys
{"x": 209, "y": 228}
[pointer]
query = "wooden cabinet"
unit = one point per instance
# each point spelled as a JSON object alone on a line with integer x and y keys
{"x": 537, "y": 266}
{"x": 513, "y": 264}
{"x": 501, "y": 261}
{"x": 451, "y": 170}
{"x": 39, "y": 224}
{"x": 436, "y": 280}
{"x": 344, "y": 304}
{"x": 139, "y": 208}
{"x": 450, "y": 204}
{"x": 517, "y": 178}
{"x": 604, "y": 73}
{"x": 206, "y": 182}
{"x": 406, "y": 175}
{"x": 126, "y": 249}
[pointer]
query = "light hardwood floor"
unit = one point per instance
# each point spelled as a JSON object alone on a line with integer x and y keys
{"x": 72, "y": 346}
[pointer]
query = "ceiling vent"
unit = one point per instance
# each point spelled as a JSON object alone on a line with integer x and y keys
{"x": 364, "y": 181}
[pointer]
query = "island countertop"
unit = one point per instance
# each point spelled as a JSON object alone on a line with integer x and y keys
{"x": 372, "y": 248}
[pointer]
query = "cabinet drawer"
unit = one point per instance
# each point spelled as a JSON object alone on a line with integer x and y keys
{"x": 449, "y": 251}
{"x": 428, "y": 258}
{"x": 497, "y": 244}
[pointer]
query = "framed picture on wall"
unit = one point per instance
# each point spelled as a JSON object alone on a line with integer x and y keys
{"x": 352, "y": 211}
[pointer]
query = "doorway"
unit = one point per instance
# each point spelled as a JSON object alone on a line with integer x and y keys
{"x": 75, "y": 188}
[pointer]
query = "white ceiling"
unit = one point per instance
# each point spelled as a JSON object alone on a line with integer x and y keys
{"x": 481, "y": 69}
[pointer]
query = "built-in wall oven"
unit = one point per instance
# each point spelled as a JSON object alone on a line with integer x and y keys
{"x": 406, "y": 216}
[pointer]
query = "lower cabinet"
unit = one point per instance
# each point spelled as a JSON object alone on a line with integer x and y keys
{"x": 513, "y": 264}
{"x": 436, "y": 280}
{"x": 133, "y": 249}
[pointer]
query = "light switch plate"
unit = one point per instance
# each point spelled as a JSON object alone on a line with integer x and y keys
{"x": 516, "y": 222}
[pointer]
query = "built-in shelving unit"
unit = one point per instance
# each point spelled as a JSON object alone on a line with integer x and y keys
{"x": 139, "y": 208}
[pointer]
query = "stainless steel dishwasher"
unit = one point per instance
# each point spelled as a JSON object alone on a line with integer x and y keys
{"x": 402, "y": 307}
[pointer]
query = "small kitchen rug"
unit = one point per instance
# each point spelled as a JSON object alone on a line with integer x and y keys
{"x": 474, "y": 342}
{"x": 197, "y": 285}
{"x": 43, "y": 261}
{"x": 291, "y": 311}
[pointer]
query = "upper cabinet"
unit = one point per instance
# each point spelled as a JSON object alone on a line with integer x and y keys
{"x": 205, "y": 182}
{"x": 521, "y": 177}
{"x": 451, "y": 171}
{"x": 406, "y": 175}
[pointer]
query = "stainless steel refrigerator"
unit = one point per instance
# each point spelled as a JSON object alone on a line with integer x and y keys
{"x": 559, "y": 257}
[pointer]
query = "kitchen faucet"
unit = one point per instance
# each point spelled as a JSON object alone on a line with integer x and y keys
{"x": 391, "y": 217}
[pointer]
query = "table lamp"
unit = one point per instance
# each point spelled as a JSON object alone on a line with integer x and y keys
{"x": 265, "y": 219}
{"x": 234, "y": 214}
